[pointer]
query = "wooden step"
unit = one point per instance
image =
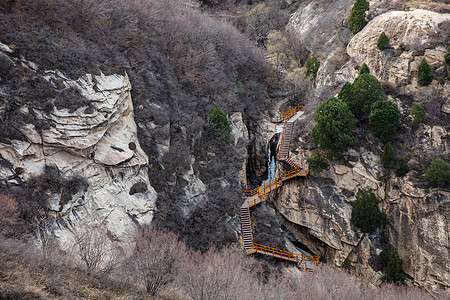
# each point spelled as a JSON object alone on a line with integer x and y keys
{"x": 262, "y": 195}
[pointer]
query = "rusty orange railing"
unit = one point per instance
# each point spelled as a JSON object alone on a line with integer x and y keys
{"x": 279, "y": 155}
{"x": 289, "y": 161}
{"x": 263, "y": 193}
{"x": 287, "y": 255}
{"x": 250, "y": 192}
{"x": 269, "y": 186}
{"x": 257, "y": 200}
{"x": 286, "y": 115}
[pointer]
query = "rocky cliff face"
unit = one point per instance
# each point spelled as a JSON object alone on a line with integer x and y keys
{"x": 97, "y": 142}
{"x": 318, "y": 210}
{"x": 424, "y": 34}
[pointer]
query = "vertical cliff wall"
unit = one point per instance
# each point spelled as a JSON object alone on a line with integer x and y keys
{"x": 96, "y": 141}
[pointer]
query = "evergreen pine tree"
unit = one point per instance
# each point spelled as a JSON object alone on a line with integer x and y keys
{"x": 439, "y": 172}
{"x": 218, "y": 125}
{"x": 447, "y": 56}
{"x": 364, "y": 69}
{"x": 332, "y": 131}
{"x": 383, "y": 119}
{"x": 402, "y": 167}
{"x": 365, "y": 212}
{"x": 424, "y": 74}
{"x": 357, "y": 19}
{"x": 418, "y": 112}
{"x": 312, "y": 66}
{"x": 382, "y": 41}
{"x": 384, "y": 258}
{"x": 366, "y": 89}
{"x": 393, "y": 272}
{"x": 388, "y": 153}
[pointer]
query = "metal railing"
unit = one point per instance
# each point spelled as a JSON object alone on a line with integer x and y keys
{"x": 251, "y": 192}
{"x": 258, "y": 200}
{"x": 286, "y": 115}
{"x": 287, "y": 255}
{"x": 263, "y": 193}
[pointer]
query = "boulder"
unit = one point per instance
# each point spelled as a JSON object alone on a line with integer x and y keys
{"x": 423, "y": 33}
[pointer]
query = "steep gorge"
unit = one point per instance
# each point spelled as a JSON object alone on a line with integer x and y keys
{"x": 318, "y": 212}
{"x": 139, "y": 138}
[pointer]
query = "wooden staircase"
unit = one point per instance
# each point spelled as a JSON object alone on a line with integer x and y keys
{"x": 246, "y": 227}
{"x": 261, "y": 193}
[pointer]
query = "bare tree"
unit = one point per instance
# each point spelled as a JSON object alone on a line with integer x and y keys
{"x": 155, "y": 257}
{"x": 9, "y": 213}
{"x": 218, "y": 275}
{"x": 44, "y": 231}
{"x": 98, "y": 255}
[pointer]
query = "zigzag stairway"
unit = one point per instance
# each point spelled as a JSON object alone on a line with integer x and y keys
{"x": 261, "y": 193}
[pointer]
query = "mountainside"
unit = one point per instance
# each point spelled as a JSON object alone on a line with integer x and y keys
{"x": 109, "y": 112}
{"x": 175, "y": 75}
{"x": 418, "y": 213}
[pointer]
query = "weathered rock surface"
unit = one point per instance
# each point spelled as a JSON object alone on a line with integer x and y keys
{"x": 318, "y": 210}
{"x": 419, "y": 221}
{"x": 420, "y": 228}
{"x": 195, "y": 191}
{"x": 326, "y": 21}
{"x": 423, "y": 33}
{"x": 239, "y": 133}
{"x": 98, "y": 143}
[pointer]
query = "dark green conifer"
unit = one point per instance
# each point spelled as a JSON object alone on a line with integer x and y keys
{"x": 357, "y": 19}
{"x": 393, "y": 272}
{"x": 382, "y": 41}
{"x": 364, "y": 69}
{"x": 439, "y": 172}
{"x": 388, "y": 154}
{"x": 332, "y": 131}
{"x": 383, "y": 119}
{"x": 402, "y": 167}
{"x": 365, "y": 212}
{"x": 424, "y": 73}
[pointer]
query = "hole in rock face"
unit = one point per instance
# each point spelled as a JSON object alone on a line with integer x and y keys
{"x": 19, "y": 170}
{"x": 139, "y": 187}
{"x": 132, "y": 146}
{"x": 89, "y": 111}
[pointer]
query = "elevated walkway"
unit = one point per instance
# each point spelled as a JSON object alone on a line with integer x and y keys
{"x": 261, "y": 193}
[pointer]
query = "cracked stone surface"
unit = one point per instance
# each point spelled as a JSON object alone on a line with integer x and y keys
{"x": 101, "y": 146}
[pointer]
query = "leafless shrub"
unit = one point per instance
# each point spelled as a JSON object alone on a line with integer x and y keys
{"x": 97, "y": 254}
{"x": 218, "y": 275}
{"x": 226, "y": 274}
{"x": 391, "y": 291}
{"x": 9, "y": 212}
{"x": 45, "y": 234}
{"x": 262, "y": 18}
{"x": 328, "y": 282}
{"x": 155, "y": 258}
